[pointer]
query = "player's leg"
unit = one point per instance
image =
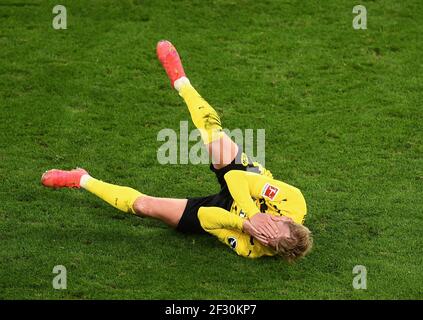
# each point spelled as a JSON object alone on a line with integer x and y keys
{"x": 168, "y": 210}
{"x": 123, "y": 198}
{"x": 223, "y": 151}
{"x": 220, "y": 147}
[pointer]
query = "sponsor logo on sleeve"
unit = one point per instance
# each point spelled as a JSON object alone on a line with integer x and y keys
{"x": 269, "y": 191}
{"x": 232, "y": 242}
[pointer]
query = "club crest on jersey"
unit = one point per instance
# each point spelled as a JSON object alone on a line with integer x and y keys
{"x": 269, "y": 191}
{"x": 232, "y": 242}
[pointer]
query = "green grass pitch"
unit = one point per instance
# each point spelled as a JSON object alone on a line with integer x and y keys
{"x": 343, "y": 119}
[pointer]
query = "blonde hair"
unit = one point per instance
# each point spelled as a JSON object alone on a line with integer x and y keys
{"x": 297, "y": 245}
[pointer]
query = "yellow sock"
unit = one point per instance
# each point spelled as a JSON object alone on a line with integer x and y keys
{"x": 204, "y": 117}
{"x": 122, "y": 198}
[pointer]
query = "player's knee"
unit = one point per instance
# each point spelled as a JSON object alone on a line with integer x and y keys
{"x": 144, "y": 206}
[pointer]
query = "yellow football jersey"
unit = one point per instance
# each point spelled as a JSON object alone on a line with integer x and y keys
{"x": 227, "y": 227}
{"x": 252, "y": 193}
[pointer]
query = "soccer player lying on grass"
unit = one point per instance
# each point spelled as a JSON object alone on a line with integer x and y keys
{"x": 253, "y": 213}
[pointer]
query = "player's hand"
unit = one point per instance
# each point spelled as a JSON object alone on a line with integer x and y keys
{"x": 249, "y": 228}
{"x": 265, "y": 224}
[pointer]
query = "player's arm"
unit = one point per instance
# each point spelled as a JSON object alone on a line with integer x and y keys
{"x": 215, "y": 220}
{"x": 245, "y": 185}
{"x": 228, "y": 228}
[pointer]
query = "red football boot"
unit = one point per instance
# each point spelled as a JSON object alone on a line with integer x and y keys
{"x": 170, "y": 61}
{"x": 63, "y": 178}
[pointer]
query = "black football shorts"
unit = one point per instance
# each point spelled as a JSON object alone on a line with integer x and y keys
{"x": 189, "y": 222}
